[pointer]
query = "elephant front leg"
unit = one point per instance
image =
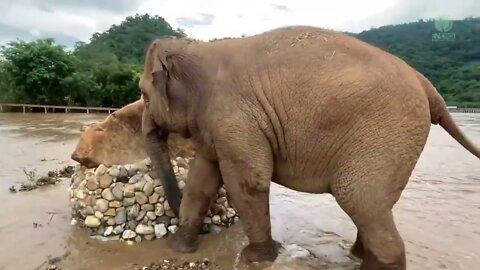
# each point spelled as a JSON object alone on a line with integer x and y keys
{"x": 248, "y": 187}
{"x": 203, "y": 183}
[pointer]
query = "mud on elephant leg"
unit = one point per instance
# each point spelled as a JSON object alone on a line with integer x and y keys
{"x": 203, "y": 182}
{"x": 248, "y": 186}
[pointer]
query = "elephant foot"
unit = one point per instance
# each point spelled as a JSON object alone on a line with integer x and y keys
{"x": 261, "y": 252}
{"x": 185, "y": 240}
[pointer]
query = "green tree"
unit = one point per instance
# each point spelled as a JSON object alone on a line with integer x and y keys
{"x": 36, "y": 70}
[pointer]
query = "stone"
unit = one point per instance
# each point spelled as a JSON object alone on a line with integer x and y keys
{"x": 140, "y": 198}
{"x": 159, "y": 190}
{"x": 138, "y": 239}
{"x": 216, "y": 209}
{"x": 132, "y": 224}
{"x": 144, "y": 229}
{"x": 129, "y": 234}
{"x": 105, "y": 181}
{"x": 92, "y": 183}
{"x": 98, "y": 214}
{"x": 90, "y": 200}
{"x": 223, "y": 218}
{"x": 89, "y": 210}
{"x": 101, "y": 205}
{"x": 101, "y": 170}
{"x": 166, "y": 205}
{"x": 161, "y": 200}
{"x": 128, "y": 201}
{"x": 207, "y": 220}
{"x": 80, "y": 195}
{"x": 148, "y": 188}
{"x": 98, "y": 193}
{"x": 141, "y": 215}
{"x": 114, "y": 172}
{"x": 140, "y": 184}
{"x": 148, "y": 178}
{"x": 142, "y": 167}
{"x": 221, "y": 200}
{"x": 169, "y": 213}
{"x": 92, "y": 222}
{"x": 115, "y": 204}
{"x": 181, "y": 184}
{"x": 222, "y": 192}
{"x": 121, "y": 216}
{"x": 135, "y": 179}
{"x": 131, "y": 169}
{"x": 123, "y": 173}
{"x": 174, "y": 221}
{"x": 118, "y": 229}
{"x": 107, "y": 195}
{"x": 236, "y": 219}
{"x": 133, "y": 212}
{"x": 160, "y": 230}
{"x": 163, "y": 220}
{"x": 149, "y": 237}
{"x": 217, "y": 220}
{"x": 117, "y": 191}
{"x": 173, "y": 229}
{"x": 108, "y": 231}
{"x": 151, "y": 215}
{"x": 159, "y": 210}
{"x": 147, "y": 161}
{"x": 154, "y": 198}
{"x": 129, "y": 191}
{"x": 231, "y": 212}
{"x": 111, "y": 222}
{"x": 110, "y": 212}
{"x": 147, "y": 207}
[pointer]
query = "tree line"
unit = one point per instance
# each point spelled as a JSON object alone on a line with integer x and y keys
{"x": 105, "y": 71}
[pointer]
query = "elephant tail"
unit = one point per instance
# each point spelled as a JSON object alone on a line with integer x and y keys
{"x": 440, "y": 115}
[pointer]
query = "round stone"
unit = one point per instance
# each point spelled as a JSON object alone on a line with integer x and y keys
{"x": 92, "y": 222}
{"x": 107, "y": 195}
{"x": 101, "y": 205}
{"x": 144, "y": 229}
{"x": 141, "y": 198}
{"x": 129, "y": 234}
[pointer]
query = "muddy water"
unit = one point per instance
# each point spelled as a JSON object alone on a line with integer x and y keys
{"x": 438, "y": 214}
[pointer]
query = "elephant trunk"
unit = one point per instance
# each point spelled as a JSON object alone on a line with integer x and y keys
{"x": 157, "y": 149}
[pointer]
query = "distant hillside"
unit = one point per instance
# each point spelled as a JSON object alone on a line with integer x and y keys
{"x": 452, "y": 66}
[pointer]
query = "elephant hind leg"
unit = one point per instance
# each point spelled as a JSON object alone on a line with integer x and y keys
{"x": 370, "y": 208}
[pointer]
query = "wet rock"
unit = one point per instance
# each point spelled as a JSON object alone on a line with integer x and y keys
{"x": 129, "y": 201}
{"x": 148, "y": 188}
{"x": 140, "y": 198}
{"x": 144, "y": 229}
{"x": 160, "y": 230}
{"x": 129, "y": 234}
{"x": 107, "y": 195}
{"x": 92, "y": 183}
{"x": 92, "y": 222}
{"x": 101, "y": 205}
{"x": 117, "y": 191}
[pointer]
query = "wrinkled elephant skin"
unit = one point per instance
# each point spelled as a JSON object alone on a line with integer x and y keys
{"x": 313, "y": 110}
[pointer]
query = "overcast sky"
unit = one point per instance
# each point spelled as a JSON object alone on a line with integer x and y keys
{"x": 72, "y": 20}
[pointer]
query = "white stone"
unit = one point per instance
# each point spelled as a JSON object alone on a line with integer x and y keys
{"x": 108, "y": 231}
{"x": 231, "y": 212}
{"x": 173, "y": 229}
{"x": 100, "y": 170}
{"x": 160, "y": 230}
{"x": 181, "y": 184}
{"x": 217, "y": 220}
{"x": 92, "y": 222}
{"x": 129, "y": 234}
{"x": 144, "y": 229}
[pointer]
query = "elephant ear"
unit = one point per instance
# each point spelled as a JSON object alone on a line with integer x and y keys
{"x": 160, "y": 73}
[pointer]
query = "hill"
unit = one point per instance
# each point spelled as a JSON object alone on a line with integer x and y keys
{"x": 451, "y": 62}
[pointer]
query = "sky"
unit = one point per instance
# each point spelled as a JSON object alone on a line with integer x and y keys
{"x": 69, "y": 21}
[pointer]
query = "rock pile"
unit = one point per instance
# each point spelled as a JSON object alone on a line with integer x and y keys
{"x": 126, "y": 202}
{"x": 174, "y": 265}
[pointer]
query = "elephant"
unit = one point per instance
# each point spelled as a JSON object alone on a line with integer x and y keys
{"x": 311, "y": 109}
{"x": 118, "y": 140}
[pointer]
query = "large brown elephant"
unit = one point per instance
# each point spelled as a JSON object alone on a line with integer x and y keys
{"x": 313, "y": 110}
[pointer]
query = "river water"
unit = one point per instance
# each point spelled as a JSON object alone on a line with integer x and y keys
{"x": 438, "y": 214}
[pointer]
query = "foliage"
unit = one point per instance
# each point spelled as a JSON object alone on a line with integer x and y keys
{"x": 452, "y": 66}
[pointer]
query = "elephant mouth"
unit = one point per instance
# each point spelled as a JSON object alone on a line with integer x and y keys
{"x": 88, "y": 163}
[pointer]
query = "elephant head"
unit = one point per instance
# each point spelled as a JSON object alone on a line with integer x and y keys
{"x": 166, "y": 108}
